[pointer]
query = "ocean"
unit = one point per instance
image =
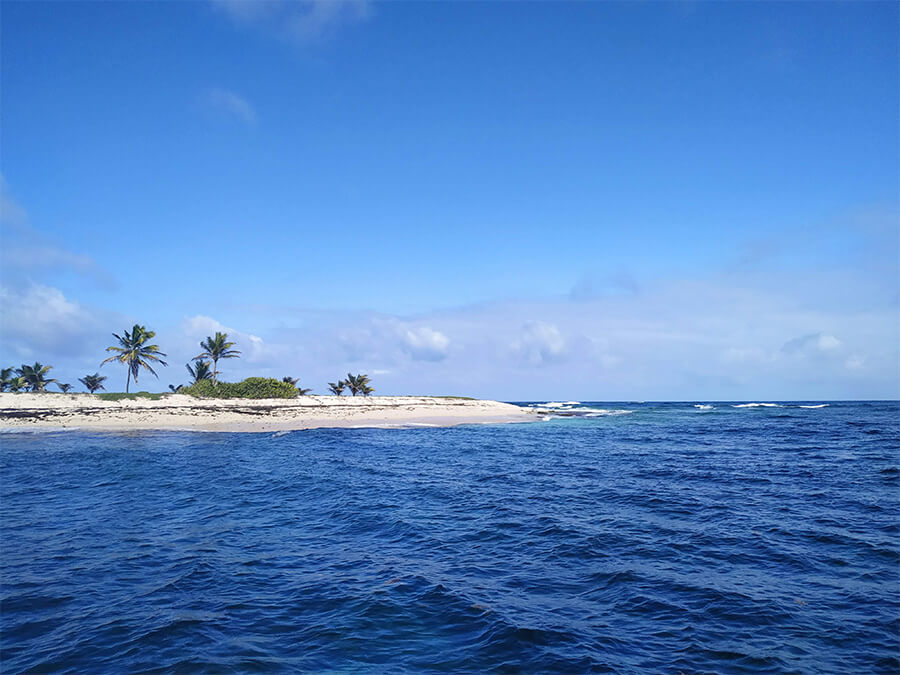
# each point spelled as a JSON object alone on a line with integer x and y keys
{"x": 698, "y": 537}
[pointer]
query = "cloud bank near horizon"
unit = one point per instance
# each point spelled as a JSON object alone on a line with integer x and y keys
{"x": 677, "y": 340}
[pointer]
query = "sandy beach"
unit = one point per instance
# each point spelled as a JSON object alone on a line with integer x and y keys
{"x": 172, "y": 412}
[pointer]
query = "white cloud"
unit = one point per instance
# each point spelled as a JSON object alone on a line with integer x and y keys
{"x": 301, "y": 21}
{"x": 231, "y": 103}
{"x": 39, "y": 322}
{"x": 539, "y": 343}
{"x": 390, "y": 340}
{"x": 812, "y": 344}
{"x": 855, "y": 362}
{"x": 425, "y": 344}
{"x": 827, "y": 343}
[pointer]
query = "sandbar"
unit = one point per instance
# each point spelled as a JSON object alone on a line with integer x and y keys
{"x": 52, "y": 411}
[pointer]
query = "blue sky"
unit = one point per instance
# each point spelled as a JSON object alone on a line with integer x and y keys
{"x": 515, "y": 200}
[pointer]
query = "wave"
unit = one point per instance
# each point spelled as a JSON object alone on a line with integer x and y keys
{"x": 757, "y": 405}
{"x": 555, "y": 404}
{"x": 813, "y": 407}
{"x": 701, "y": 406}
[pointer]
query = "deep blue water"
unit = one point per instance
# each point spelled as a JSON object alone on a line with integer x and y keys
{"x": 668, "y": 539}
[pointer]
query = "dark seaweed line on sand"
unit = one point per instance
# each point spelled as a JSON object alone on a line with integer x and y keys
{"x": 45, "y": 413}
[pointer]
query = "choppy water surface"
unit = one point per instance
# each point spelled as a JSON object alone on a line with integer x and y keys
{"x": 644, "y": 537}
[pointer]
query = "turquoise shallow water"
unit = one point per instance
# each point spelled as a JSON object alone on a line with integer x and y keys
{"x": 661, "y": 538}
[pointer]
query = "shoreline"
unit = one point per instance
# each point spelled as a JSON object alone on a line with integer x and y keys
{"x": 177, "y": 412}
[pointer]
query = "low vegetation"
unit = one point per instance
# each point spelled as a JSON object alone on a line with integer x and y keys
{"x": 252, "y": 387}
{"x": 118, "y": 396}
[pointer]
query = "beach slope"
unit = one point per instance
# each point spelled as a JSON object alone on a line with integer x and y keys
{"x": 176, "y": 411}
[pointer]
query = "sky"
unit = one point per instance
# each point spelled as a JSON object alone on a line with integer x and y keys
{"x": 522, "y": 201}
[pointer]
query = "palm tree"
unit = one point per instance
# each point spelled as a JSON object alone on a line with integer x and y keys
{"x": 135, "y": 353}
{"x": 34, "y": 376}
{"x": 64, "y": 388}
{"x": 293, "y": 381}
{"x": 6, "y": 378}
{"x": 18, "y": 383}
{"x": 337, "y": 388}
{"x": 352, "y": 384}
{"x": 200, "y": 371}
{"x": 93, "y": 382}
{"x": 359, "y": 384}
{"x": 216, "y": 348}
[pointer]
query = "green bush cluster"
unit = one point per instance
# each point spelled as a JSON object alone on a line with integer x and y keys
{"x": 130, "y": 397}
{"x": 252, "y": 387}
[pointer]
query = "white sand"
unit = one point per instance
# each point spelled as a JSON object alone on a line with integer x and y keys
{"x": 176, "y": 411}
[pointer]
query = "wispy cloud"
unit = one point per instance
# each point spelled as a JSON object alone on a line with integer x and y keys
{"x": 232, "y": 104}
{"x": 26, "y": 254}
{"x": 301, "y": 21}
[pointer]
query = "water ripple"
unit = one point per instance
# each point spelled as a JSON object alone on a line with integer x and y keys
{"x": 755, "y": 539}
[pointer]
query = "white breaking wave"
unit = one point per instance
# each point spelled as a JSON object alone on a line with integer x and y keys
{"x": 596, "y": 412}
{"x": 757, "y": 405}
{"x": 700, "y": 406}
{"x": 556, "y": 405}
{"x": 821, "y": 405}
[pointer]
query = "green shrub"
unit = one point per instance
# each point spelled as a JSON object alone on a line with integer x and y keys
{"x": 115, "y": 396}
{"x": 252, "y": 387}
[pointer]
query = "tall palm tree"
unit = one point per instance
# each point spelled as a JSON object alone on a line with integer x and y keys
{"x": 135, "y": 353}
{"x": 216, "y": 348}
{"x": 35, "y": 376}
{"x": 200, "y": 371}
{"x": 337, "y": 388}
{"x": 93, "y": 382}
{"x": 64, "y": 388}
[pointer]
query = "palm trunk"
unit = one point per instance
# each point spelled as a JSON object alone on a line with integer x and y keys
{"x": 215, "y": 372}
{"x": 128, "y": 380}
